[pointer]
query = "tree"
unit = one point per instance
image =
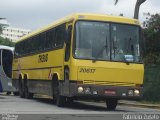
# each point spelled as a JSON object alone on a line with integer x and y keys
{"x": 152, "y": 39}
{"x": 137, "y": 6}
{"x": 1, "y": 26}
{"x": 7, "y": 42}
{"x": 0, "y": 29}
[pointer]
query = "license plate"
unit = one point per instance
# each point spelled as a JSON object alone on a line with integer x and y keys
{"x": 110, "y": 92}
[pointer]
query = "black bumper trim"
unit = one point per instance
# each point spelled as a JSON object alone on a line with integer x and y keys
{"x": 101, "y": 94}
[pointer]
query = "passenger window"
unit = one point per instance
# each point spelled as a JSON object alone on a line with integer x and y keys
{"x": 42, "y": 41}
{"x": 60, "y": 36}
{"x": 52, "y": 38}
{"x": 48, "y": 40}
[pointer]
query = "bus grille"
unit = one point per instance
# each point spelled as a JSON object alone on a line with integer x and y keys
{"x": 109, "y": 83}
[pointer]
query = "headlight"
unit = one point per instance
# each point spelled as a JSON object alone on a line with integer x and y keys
{"x": 136, "y": 92}
{"x": 80, "y": 89}
{"x": 95, "y": 92}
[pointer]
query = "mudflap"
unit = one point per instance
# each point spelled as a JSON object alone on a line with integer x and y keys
{"x": 64, "y": 88}
{"x": 68, "y": 89}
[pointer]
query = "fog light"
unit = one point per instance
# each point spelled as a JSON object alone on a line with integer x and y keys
{"x": 87, "y": 90}
{"x": 136, "y": 92}
{"x": 123, "y": 94}
{"x": 95, "y": 92}
{"x": 80, "y": 89}
{"x": 130, "y": 93}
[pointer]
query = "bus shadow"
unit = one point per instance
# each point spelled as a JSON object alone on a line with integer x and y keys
{"x": 78, "y": 105}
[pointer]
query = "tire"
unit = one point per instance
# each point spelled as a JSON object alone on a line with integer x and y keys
{"x": 8, "y": 93}
{"x": 21, "y": 88}
{"x": 69, "y": 100}
{"x": 15, "y": 93}
{"x": 111, "y": 103}
{"x": 27, "y": 94}
{"x": 60, "y": 100}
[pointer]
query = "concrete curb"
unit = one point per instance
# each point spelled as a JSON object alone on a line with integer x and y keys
{"x": 140, "y": 105}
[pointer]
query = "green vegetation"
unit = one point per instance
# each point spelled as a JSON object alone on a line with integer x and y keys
{"x": 152, "y": 39}
{"x": 152, "y": 84}
{"x": 152, "y": 58}
{"x": 0, "y": 29}
{"x": 6, "y": 42}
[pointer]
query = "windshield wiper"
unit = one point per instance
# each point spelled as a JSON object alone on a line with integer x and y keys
{"x": 101, "y": 50}
{"x": 129, "y": 43}
{"x": 129, "y": 57}
{"x": 130, "y": 46}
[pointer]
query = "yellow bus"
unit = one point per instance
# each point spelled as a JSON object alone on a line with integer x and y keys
{"x": 82, "y": 56}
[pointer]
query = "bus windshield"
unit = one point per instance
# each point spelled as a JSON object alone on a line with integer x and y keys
{"x": 106, "y": 41}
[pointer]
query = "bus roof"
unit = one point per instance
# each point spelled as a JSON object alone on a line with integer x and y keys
{"x": 6, "y": 48}
{"x": 84, "y": 16}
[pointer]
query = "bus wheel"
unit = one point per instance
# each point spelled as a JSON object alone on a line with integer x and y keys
{"x": 69, "y": 100}
{"x": 8, "y": 93}
{"x": 21, "y": 88}
{"x": 15, "y": 93}
{"x": 27, "y": 94}
{"x": 60, "y": 100}
{"x": 111, "y": 103}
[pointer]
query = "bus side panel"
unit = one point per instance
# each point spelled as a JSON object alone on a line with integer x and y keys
{"x": 39, "y": 69}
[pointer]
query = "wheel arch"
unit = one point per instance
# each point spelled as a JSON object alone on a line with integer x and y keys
{"x": 21, "y": 75}
{"x": 26, "y": 76}
{"x": 66, "y": 69}
{"x": 56, "y": 75}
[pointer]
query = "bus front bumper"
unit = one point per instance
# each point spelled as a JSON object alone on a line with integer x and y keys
{"x": 103, "y": 92}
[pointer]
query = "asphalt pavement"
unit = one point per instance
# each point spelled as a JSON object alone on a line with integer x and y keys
{"x": 45, "y": 109}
